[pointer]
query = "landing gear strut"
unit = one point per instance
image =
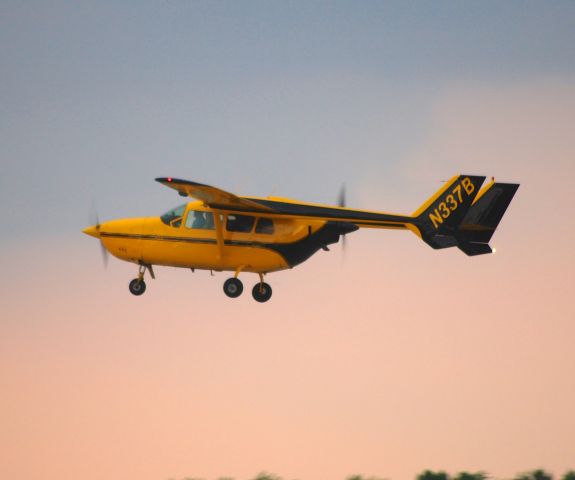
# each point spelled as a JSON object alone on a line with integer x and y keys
{"x": 137, "y": 286}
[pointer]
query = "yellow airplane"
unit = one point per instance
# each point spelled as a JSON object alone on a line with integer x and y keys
{"x": 222, "y": 231}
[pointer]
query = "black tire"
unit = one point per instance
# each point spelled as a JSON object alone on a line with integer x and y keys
{"x": 137, "y": 287}
{"x": 233, "y": 287}
{"x": 262, "y": 292}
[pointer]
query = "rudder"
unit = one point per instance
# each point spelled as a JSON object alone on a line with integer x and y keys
{"x": 482, "y": 219}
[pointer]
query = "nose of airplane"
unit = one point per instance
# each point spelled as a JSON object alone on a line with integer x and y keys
{"x": 93, "y": 231}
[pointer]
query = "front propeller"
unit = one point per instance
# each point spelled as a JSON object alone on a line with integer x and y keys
{"x": 94, "y": 231}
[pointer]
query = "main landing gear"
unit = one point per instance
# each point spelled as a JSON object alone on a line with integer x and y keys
{"x": 233, "y": 287}
{"x": 138, "y": 286}
{"x": 262, "y": 292}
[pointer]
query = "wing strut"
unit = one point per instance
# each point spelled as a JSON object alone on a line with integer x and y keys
{"x": 219, "y": 232}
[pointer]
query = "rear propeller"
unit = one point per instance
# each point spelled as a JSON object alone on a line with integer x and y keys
{"x": 341, "y": 202}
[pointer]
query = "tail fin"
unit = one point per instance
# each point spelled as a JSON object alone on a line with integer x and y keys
{"x": 480, "y": 222}
{"x": 437, "y": 219}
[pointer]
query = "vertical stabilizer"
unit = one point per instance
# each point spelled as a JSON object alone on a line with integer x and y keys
{"x": 438, "y": 219}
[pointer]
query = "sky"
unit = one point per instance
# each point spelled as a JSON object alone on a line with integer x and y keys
{"x": 389, "y": 360}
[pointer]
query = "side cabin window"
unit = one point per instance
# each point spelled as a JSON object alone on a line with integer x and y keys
{"x": 200, "y": 220}
{"x": 265, "y": 225}
{"x": 173, "y": 218}
{"x": 240, "y": 223}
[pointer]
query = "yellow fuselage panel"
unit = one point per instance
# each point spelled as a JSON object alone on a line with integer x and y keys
{"x": 208, "y": 257}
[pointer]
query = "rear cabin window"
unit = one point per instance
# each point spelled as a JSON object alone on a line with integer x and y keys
{"x": 173, "y": 218}
{"x": 200, "y": 220}
{"x": 265, "y": 225}
{"x": 240, "y": 223}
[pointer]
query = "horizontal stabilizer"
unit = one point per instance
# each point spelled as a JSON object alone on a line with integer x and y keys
{"x": 473, "y": 248}
{"x": 441, "y": 241}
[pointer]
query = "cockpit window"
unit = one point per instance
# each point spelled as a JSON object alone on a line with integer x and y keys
{"x": 265, "y": 225}
{"x": 173, "y": 218}
{"x": 200, "y": 220}
{"x": 240, "y": 223}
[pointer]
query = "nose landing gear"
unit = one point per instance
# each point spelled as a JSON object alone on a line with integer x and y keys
{"x": 137, "y": 286}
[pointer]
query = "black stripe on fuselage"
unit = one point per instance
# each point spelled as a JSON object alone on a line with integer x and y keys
{"x": 162, "y": 238}
{"x": 170, "y": 238}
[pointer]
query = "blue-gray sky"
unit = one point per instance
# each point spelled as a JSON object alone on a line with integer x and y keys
{"x": 99, "y": 97}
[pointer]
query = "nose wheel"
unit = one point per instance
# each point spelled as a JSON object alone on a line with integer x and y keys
{"x": 138, "y": 286}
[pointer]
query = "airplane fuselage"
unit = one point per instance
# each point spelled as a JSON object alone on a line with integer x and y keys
{"x": 151, "y": 241}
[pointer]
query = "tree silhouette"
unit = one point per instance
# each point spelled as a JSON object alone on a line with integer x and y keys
{"x": 361, "y": 477}
{"x": 429, "y": 475}
{"x": 535, "y": 475}
{"x": 538, "y": 474}
{"x": 266, "y": 476}
{"x": 471, "y": 476}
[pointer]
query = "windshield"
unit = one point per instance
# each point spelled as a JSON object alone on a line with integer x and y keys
{"x": 173, "y": 217}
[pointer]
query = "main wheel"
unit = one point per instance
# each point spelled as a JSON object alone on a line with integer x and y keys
{"x": 262, "y": 292}
{"x": 137, "y": 286}
{"x": 233, "y": 287}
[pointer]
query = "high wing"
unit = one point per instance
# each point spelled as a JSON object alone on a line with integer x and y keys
{"x": 220, "y": 199}
{"x": 211, "y": 196}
